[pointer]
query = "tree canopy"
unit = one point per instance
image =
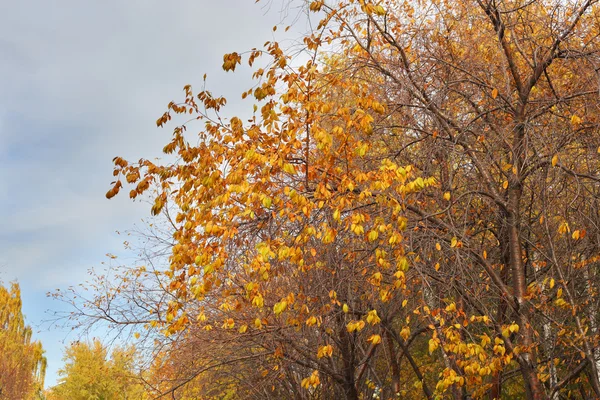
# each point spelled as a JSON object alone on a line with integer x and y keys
{"x": 22, "y": 361}
{"x": 89, "y": 374}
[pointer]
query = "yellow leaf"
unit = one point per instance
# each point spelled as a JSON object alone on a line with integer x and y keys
{"x": 377, "y": 277}
{"x": 373, "y": 318}
{"x": 551, "y": 283}
{"x": 554, "y": 160}
{"x": 373, "y": 235}
{"x": 280, "y": 307}
{"x": 362, "y": 149}
{"x": 289, "y": 168}
{"x": 258, "y": 301}
{"x": 336, "y": 215}
{"x": 374, "y": 339}
{"x": 136, "y": 335}
{"x": 316, "y": 6}
{"x": 505, "y": 184}
{"x": 345, "y": 308}
{"x": 575, "y": 235}
{"x": 453, "y": 242}
{"x": 575, "y": 120}
{"x": 438, "y": 247}
{"x": 230, "y": 61}
{"x": 405, "y": 333}
{"x": 329, "y": 236}
{"x": 379, "y": 10}
{"x": 494, "y": 93}
{"x": 402, "y": 264}
{"x": 451, "y": 307}
{"x": 355, "y": 326}
{"x": 433, "y": 345}
{"x": 564, "y": 228}
{"x": 560, "y": 302}
{"x": 419, "y": 183}
{"x": 447, "y": 196}
{"x": 325, "y": 351}
{"x": 266, "y": 201}
{"x": 485, "y": 340}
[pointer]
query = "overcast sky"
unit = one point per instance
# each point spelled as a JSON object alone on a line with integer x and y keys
{"x": 80, "y": 83}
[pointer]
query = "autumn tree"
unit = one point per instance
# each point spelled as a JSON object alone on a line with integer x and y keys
{"x": 22, "y": 361}
{"x": 88, "y": 373}
{"x": 494, "y": 113}
{"x": 413, "y": 208}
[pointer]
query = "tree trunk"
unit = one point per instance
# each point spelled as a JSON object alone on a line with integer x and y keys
{"x": 533, "y": 386}
{"x": 349, "y": 385}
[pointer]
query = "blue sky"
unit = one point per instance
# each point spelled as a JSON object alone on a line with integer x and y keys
{"x": 82, "y": 82}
